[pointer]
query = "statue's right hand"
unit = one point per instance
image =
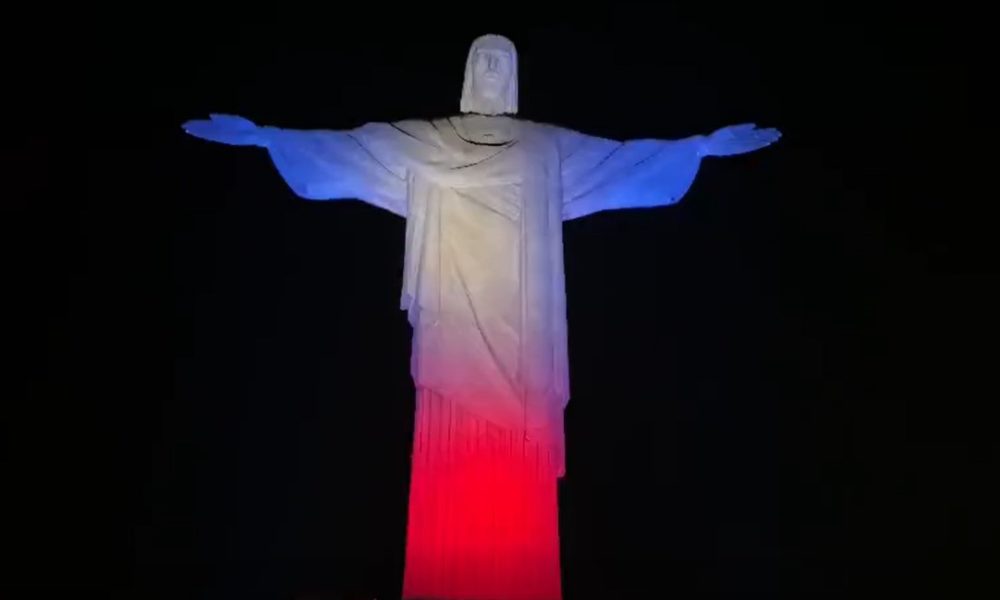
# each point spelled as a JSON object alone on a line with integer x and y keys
{"x": 226, "y": 129}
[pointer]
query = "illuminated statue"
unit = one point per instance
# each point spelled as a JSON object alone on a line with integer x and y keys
{"x": 484, "y": 195}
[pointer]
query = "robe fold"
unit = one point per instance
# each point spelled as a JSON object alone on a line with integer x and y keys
{"x": 483, "y": 282}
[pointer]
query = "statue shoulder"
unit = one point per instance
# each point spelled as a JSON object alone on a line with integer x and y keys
{"x": 416, "y": 127}
{"x": 424, "y": 131}
{"x": 550, "y": 131}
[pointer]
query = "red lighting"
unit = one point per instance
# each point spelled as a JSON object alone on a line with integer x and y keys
{"x": 483, "y": 513}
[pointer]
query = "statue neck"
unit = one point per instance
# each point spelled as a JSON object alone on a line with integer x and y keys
{"x": 486, "y": 129}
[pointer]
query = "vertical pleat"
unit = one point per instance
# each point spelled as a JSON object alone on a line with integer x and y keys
{"x": 483, "y": 513}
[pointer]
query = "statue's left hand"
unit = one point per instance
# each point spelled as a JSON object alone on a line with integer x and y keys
{"x": 738, "y": 139}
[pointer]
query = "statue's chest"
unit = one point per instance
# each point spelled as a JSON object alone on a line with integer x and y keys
{"x": 501, "y": 145}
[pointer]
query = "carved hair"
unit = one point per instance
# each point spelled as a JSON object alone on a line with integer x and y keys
{"x": 470, "y": 103}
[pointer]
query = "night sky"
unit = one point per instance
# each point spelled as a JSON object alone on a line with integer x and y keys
{"x": 773, "y": 381}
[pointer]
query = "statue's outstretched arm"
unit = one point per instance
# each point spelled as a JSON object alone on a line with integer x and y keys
{"x": 601, "y": 174}
{"x": 363, "y": 163}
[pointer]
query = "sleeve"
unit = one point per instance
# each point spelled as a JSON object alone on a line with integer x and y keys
{"x": 368, "y": 163}
{"x": 602, "y": 174}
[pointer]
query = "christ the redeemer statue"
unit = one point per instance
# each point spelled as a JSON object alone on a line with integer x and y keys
{"x": 484, "y": 195}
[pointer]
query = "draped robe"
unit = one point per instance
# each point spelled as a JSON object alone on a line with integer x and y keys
{"x": 483, "y": 278}
{"x": 484, "y": 291}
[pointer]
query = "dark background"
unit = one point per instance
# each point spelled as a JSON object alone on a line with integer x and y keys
{"x": 774, "y": 382}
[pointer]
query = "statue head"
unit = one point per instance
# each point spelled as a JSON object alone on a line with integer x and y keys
{"x": 490, "y": 85}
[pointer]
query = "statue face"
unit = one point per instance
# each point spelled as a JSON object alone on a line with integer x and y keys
{"x": 490, "y": 83}
{"x": 491, "y": 73}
